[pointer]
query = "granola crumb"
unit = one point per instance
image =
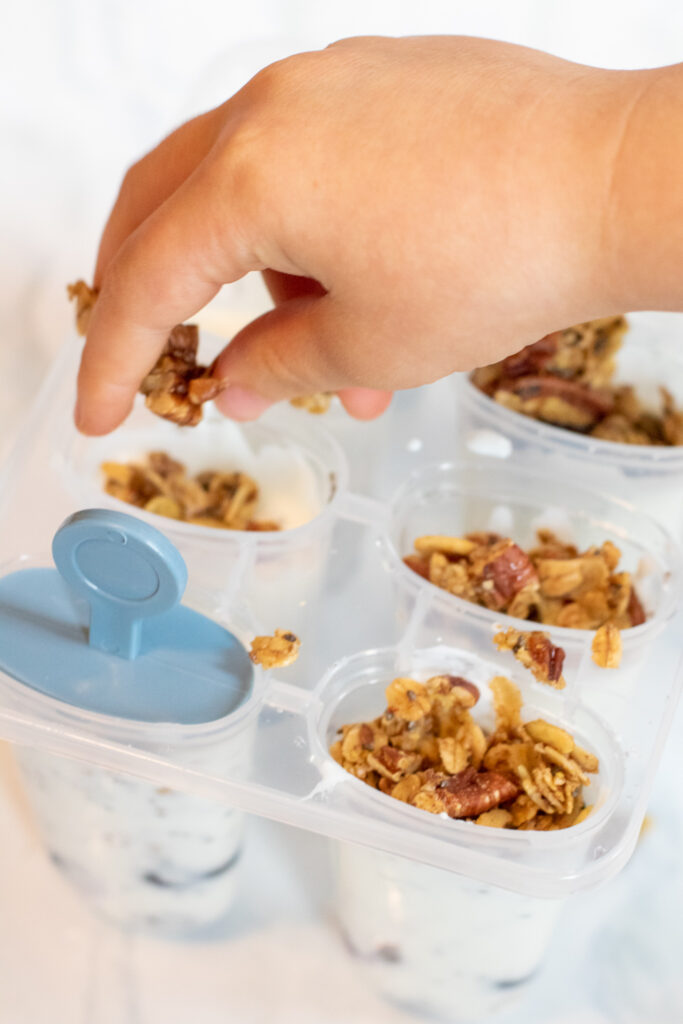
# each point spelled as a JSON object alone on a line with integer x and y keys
{"x": 606, "y": 648}
{"x": 275, "y": 651}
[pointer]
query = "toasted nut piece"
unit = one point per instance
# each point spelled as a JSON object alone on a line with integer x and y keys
{"x": 459, "y": 691}
{"x": 407, "y": 699}
{"x": 394, "y": 764}
{"x": 507, "y": 702}
{"x": 544, "y": 732}
{"x": 119, "y": 472}
{"x": 163, "y": 506}
{"x": 430, "y": 543}
{"x": 497, "y": 818}
{"x": 418, "y": 564}
{"x": 606, "y": 647}
{"x": 276, "y": 651}
{"x": 407, "y": 788}
{"x": 536, "y": 652}
{"x": 454, "y": 756}
{"x": 588, "y": 762}
{"x": 85, "y": 298}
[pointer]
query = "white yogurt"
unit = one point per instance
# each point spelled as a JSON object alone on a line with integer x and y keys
{"x": 146, "y": 858}
{"x": 438, "y": 943}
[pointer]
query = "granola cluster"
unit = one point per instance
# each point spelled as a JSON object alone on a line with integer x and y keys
{"x": 275, "y": 651}
{"x": 427, "y": 750}
{"x": 161, "y": 485}
{"x": 566, "y": 379}
{"x": 536, "y": 652}
{"x": 177, "y": 386}
{"x": 554, "y": 584}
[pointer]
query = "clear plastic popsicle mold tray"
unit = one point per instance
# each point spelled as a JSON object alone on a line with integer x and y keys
{"x": 338, "y": 580}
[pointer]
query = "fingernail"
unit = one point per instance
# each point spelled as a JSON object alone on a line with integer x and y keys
{"x": 77, "y": 414}
{"x": 241, "y": 403}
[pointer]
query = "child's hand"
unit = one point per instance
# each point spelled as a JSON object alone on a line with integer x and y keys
{"x": 418, "y": 206}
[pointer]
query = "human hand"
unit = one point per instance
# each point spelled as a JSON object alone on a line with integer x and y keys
{"x": 417, "y": 206}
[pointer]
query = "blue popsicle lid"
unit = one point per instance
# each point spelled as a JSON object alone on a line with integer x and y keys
{"x": 106, "y": 631}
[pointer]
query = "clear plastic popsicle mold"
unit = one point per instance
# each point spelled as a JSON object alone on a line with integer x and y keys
{"x": 301, "y": 474}
{"x": 649, "y": 476}
{"x": 364, "y": 600}
{"x": 457, "y": 498}
{"x": 435, "y": 943}
{"x": 103, "y": 642}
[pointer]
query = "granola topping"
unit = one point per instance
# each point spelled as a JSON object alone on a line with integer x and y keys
{"x": 566, "y": 379}
{"x": 161, "y": 485}
{"x": 177, "y": 386}
{"x": 427, "y": 751}
{"x": 553, "y": 584}
{"x": 276, "y": 651}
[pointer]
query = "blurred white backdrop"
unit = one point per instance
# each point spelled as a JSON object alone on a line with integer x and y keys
{"x": 89, "y": 85}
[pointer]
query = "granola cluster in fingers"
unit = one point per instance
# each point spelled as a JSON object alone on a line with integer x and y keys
{"x": 177, "y": 385}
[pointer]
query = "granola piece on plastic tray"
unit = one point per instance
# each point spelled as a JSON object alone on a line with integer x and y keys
{"x": 536, "y": 652}
{"x": 275, "y": 651}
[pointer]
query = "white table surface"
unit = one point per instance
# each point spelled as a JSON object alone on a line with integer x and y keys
{"x": 280, "y": 958}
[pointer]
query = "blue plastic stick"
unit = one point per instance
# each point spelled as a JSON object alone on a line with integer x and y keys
{"x": 126, "y": 569}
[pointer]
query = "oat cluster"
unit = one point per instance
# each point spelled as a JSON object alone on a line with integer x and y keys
{"x": 275, "y": 651}
{"x": 177, "y": 385}
{"x": 427, "y": 750}
{"x": 566, "y": 379}
{"x": 553, "y": 584}
{"x": 536, "y": 652}
{"x": 161, "y": 485}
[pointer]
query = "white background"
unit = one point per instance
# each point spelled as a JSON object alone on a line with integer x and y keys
{"x": 87, "y": 86}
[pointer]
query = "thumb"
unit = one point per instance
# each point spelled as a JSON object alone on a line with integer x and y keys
{"x": 300, "y": 347}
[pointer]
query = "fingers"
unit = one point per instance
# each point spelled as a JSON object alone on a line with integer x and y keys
{"x": 167, "y": 270}
{"x": 300, "y": 347}
{"x": 283, "y": 287}
{"x": 153, "y": 179}
{"x": 365, "y": 403}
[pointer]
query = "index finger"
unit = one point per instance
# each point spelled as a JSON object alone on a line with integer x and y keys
{"x": 167, "y": 270}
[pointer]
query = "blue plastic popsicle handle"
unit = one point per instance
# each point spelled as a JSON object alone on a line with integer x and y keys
{"x": 126, "y": 569}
